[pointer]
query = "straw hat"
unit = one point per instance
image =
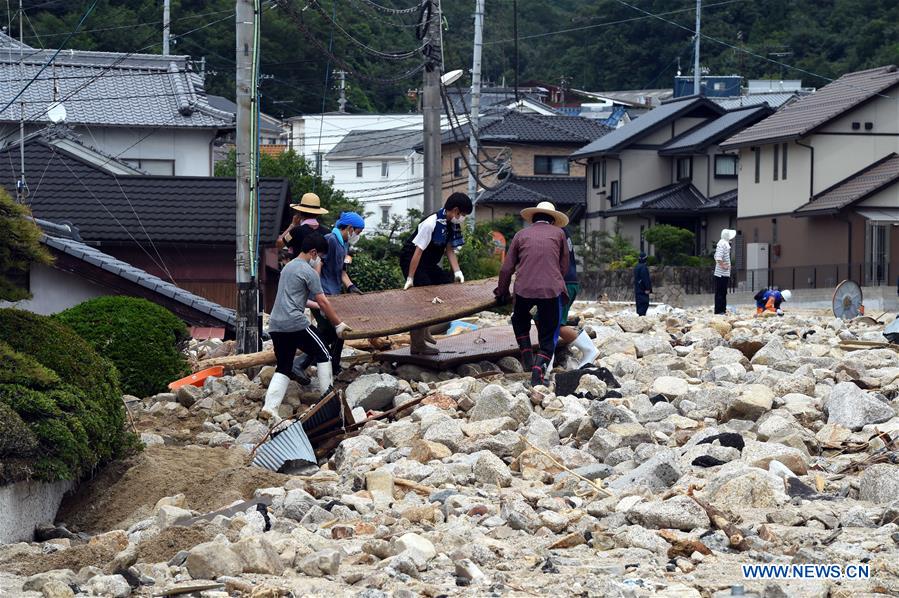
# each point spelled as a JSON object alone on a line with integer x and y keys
{"x": 545, "y": 207}
{"x": 309, "y": 204}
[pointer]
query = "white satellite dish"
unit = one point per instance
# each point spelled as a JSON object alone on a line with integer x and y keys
{"x": 56, "y": 113}
{"x": 451, "y": 77}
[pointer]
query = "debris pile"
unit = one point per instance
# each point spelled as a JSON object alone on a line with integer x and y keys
{"x": 694, "y": 446}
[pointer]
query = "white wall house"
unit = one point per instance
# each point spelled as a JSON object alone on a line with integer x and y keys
{"x": 148, "y": 110}
{"x": 380, "y": 169}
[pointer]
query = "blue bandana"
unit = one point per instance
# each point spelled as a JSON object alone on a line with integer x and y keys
{"x": 439, "y": 237}
{"x": 338, "y": 235}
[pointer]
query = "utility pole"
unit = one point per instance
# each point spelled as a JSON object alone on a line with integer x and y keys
{"x": 696, "y": 75}
{"x": 247, "y": 328}
{"x": 21, "y": 187}
{"x": 341, "y": 85}
{"x": 165, "y": 27}
{"x": 431, "y": 107}
{"x": 515, "y": 35}
{"x": 475, "y": 103}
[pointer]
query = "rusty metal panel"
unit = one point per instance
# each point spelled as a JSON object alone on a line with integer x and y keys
{"x": 392, "y": 312}
{"x": 478, "y": 345}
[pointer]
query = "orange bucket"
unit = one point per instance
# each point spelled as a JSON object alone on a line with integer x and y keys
{"x": 198, "y": 378}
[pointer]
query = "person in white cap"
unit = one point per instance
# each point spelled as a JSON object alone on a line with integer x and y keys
{"x": 722, "y": 269}
{"x": 538, "y": 256}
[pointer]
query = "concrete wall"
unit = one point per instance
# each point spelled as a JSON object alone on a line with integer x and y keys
{"x": 320, "y": 133}
{"x": 54, "y": 291}
{"x": 770, "y": 197}
{"x": 190, "y": 149}
{"x": 25, "y": 505}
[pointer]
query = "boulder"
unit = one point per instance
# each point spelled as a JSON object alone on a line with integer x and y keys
{"x": 351, "y": 450}
{"x": 447, "y": 432}
{"x": 853, "y": 408}
{"x": 321, "y": 563}
{"x": 771, "y": 354}
{"x": 492, "y": 402}
{"x": 112, "y": 586}
{"x": 540, "y": 432}
{"x": 879, "y": 483}
{"x": 679, "y": 512}
{"x": 168, "y": 516}
{"x": 670, "y": 387}
{"x": 760, "y": 454}
{"x": 490, "y": 469}
{"x": 212, "y": 560}
{"x": 258, "y": 555}
{"x": 418, "y": 548}
{"x": 372, "y": 391}
{"x": 297, "y": 503}
{"x": 658, "y": 473}
{"x": 751, "y": 403}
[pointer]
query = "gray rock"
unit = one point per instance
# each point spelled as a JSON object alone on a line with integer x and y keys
{"x": 725, "y": 355}
{"x": 253, "y": 432}
{"x": 57, "y": 589}
{"x": 151, "y": 439}
{"x": 670, "y": 387}
{"x": 372, "y": 391}
{"x": 760, "y": 454}
{"x": 351, "y": 450}
{"x": 258, "y": 556}
{"x": 602, "y": 414}
{"x": 631, "y": 434}
{"x": 647, "y": 344}
{"x": 541, "y": 433}
{"x": 510, "y": 365}
{"x": 447, "y": 432}
{"x": 212, "y": 560}
{"x": 593, "y": 471}
{"x": 490, "y": 469}
{"x": 493, "y": 402}
{"x": 297, "y": 503}
{"x": 188, "y": 395}
{"x": 321, "y": 563}
{"x": 113, "y": 586}
{"x": 750, "y": 487}
{"x": 679, "y": 512}
{"x": 401, "y": 433}
{"x": 169, "y": 515}
{"x": 772, "y": 353}
{"x": 418, "y": 548}
{"x": 619, "y": 455}
{"x": 36, "y": 583}
{"x": 879, "y": 483}
{"x": 602, "y": 443}
{"x": 658, "y": 473}
{"x": 752, "y": 403}
{"x": 853, "y": 408}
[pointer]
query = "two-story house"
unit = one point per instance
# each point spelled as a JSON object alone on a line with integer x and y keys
{"x": 817, "y": 184}
{"x": 381, "y": 170}
{"x": 533, "y": 149}
{"x": 666, "y": 167}
{"x": 148, "y": 110}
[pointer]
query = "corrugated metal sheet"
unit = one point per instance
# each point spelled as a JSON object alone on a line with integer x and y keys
{"x": 810, "y": 112}
{"x": 291, "y": 444}
{"x": 858, "y": 186}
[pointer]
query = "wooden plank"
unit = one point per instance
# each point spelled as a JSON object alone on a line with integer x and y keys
{"x": 488, "y": 343}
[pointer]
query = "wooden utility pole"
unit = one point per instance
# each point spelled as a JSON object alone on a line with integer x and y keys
{"x": 475, "y": 101}
{"x": 166, "y": 24}
{"x": 247, "y": 328}
{"x": 431, "y": 107}
{"x": 697, "y": 77}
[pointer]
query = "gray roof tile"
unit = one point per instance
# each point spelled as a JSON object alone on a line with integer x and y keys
{"x": 700, "y": 138}
{"x": 378, "y": 143}
{"x": 561, "y": 190}
{"x": 679, "y": 197}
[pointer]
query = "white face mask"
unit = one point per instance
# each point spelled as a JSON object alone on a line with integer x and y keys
{"x": 458, "y": 220}
{"x": 315, "y": 262}
{"x": 354, "y": 238}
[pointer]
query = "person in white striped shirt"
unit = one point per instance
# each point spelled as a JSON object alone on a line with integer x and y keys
{"x": 722, "y": 269}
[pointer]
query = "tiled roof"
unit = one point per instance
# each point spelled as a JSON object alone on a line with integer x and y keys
{"x": 377, "y": 143}
{"x": 168, "y": 209}
{"x": 68, "y": 241}
{"x": 726, "y": 201}
{"x": 521, "y": 127}
{"x": 860, "y": 185}
{"x": 679, "y": 197}
{"x": 109, "y": 88}
{"x": 714, "y": 131}
{"x": 267, "y": 124}
{"x": 774, "y": 100}
{"x": 561, "y": 190}
{"x": 810, "y": 112}
{"x": 646, "y": 124}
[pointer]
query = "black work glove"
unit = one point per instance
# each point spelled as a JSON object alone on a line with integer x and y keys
{"x": 354, "y": 290}
{"x": 502, "y": 298}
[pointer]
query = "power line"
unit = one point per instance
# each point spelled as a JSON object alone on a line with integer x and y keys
{"x": 375, "y": 52}
{"x": 130, "y": 26}
{"x": 393, "y": 11}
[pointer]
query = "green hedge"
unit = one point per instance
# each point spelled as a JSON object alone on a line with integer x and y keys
{"x": 66, "y": 394}
{"x": 375, "y": 275}
{"x": 139, "y": 337}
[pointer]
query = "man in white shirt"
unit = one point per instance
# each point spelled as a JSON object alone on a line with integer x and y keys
{"x": 722, "y": 269}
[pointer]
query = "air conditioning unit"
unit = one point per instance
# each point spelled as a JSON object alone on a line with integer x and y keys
{"x": 757, "y": 262}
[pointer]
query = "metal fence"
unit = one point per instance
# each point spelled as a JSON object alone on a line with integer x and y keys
{"x": 817, "y": 277}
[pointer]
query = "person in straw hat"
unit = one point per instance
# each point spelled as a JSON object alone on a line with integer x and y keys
{"x": 538, "y": 256}
{"x": 304, "y": 222}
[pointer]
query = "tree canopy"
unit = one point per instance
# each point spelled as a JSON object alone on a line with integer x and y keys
{"x": 20, "y": 246}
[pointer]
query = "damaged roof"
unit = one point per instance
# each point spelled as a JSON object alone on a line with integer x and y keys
{"x": 129, "y": 209}
{"x": 808, "y": 113}
{"x": 854, "y": 188}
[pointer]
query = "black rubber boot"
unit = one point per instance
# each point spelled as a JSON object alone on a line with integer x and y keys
{"x": 538, "y": 371}
{"x": 527, "y": 352}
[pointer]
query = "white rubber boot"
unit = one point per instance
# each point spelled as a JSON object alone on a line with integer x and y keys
{"x": 325, "y": 377}
{"x": 277, "y": 388}
{"x": 588, "y": 350}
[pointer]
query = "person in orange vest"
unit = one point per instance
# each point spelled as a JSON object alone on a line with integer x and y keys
{"x": 770, "y": 300}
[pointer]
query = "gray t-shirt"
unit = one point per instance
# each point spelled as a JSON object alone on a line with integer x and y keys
{"x": 298, "y": 283}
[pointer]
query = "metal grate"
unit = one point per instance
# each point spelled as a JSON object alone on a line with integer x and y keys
{"x": 478, "y": 345}
{"x": 392, "y": 312}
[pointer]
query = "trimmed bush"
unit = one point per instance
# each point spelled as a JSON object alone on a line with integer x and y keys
{"x": 64, "y": 392}
{"x": 375, "y": 275}
{"x": 139, "y": 337}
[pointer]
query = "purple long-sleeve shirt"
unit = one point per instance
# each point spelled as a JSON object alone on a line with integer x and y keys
{"x": 539, "y": 255}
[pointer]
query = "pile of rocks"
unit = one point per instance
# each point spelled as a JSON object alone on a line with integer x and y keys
{"x": 727, "y": 442}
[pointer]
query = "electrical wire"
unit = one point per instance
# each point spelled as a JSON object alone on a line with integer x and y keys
{"x": 405, "y": 55}
{"x": 393, "y": 11}
{"x": 375, "y": 14}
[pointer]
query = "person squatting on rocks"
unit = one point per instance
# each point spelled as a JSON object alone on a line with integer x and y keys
{"x": 538, "y": 256}
{"x": 642, "y": 285}
{"x": 438, "y": 235}
{"x": 303, "y": 223}
{"x": 770, "y": 300}
{"x": 289, "y": 327}
{"x": 722, "y": 269}
{"x": 567, "y": 334}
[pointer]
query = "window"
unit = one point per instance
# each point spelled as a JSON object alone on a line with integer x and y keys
{"x": 758, "y": 163}
{"x": 550, "y": 165}
{"x": 684, "y": 169}
{"x": 457, "y": 167}
{"x": 385, "y": 169}
{"x": 725, "y": 166}
{"x": 318, "y": 163}
{"x": 613, "y": 193}
{"x": 776, "y": 160}
{"x": 783, "y": 165}
{"x": 603, "y": 173}
{"x": 359, "y": 170}
{"x": 642, "y": 238}
{"x": 385, "y": 215}
{"x": 153, "y": 166}
{"x": 596, "y": 169}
